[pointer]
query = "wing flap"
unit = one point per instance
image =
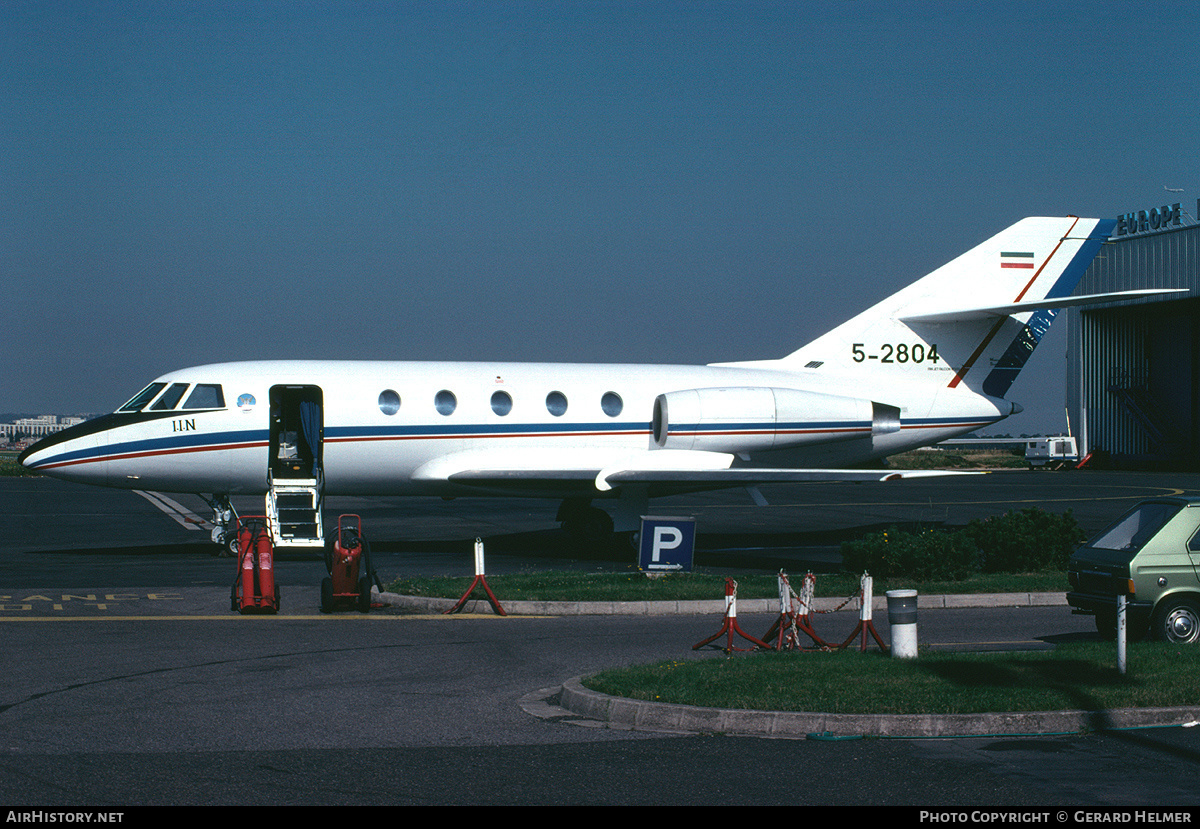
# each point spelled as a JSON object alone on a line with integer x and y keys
{"x": 747, "y": 477}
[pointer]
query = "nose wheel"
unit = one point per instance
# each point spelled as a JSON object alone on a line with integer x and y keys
{"x": 224, "y": 533}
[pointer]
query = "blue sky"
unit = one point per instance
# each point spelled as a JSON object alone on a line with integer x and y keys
{"x": 601, "y": 181}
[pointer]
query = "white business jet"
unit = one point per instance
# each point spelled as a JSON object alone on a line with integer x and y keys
{"x": 931, "y": 362}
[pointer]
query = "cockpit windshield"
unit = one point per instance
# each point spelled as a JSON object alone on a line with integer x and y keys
{"x": 170, "y": 398}
{"x": 203, "y": 396}
{"x": 142, "y": 398}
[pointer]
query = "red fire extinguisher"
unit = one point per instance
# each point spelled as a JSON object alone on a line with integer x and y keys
{"x": 255, "y": 588}
{"x": 348, "y": 561}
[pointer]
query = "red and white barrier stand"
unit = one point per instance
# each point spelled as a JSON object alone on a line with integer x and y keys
{"x": 730, "y": 624}
{"x": 480, "y": 579}
{"x": 794, "y": 615}
{"x": 865, "y": 624}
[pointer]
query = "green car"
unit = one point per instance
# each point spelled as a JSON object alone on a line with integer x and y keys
{"x": 1152, "y": 555}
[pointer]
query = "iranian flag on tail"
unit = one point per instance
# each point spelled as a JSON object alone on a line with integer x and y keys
{"x": 1016, "y": 259}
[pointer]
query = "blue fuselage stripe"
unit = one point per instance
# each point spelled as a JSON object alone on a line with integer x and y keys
{"x": 257, "y": 438}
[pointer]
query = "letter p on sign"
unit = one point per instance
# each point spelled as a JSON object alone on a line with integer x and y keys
{"x": 665, "y": 538}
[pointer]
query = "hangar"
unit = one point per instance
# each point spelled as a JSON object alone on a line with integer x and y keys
{"x": 1133, "y": 368}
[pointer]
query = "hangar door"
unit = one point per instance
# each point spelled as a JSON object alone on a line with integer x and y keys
{"x": 1139, "y": 388}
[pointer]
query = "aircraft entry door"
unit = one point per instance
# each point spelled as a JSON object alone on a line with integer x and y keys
{"x": 297, "y": 428}
{"x": 295, "y": 495}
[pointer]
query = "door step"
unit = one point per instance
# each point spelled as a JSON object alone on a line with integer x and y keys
{"x": 294, "y": 513}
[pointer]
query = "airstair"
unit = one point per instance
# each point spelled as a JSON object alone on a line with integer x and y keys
{"x": 294, "y": 512}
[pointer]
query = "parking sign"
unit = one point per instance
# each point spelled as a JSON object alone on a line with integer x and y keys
{"x": 667, "y": 543}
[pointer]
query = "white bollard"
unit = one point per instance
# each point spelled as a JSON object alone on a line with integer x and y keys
{"x": 479, "y": 556}
{"x": 902, "y": 616}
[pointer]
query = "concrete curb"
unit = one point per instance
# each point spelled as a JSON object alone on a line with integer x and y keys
{"x": 639, "y": 715}
{"x": 709, "y": 607}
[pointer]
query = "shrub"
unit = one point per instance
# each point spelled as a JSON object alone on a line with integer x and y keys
{"x": 930, "y": 554}
{"x": 1025, "y": 541}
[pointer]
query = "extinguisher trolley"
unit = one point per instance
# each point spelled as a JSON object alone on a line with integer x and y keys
{"x": 348, "y": 561}
{"x": 254, "y": 590}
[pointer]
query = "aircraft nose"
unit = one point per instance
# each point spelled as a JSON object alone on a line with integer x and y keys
{"x": 71, "y": 454}
{"x": 29, "y": 457}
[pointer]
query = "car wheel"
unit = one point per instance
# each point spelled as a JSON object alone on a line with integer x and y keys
{"x": 1178, "y": 621}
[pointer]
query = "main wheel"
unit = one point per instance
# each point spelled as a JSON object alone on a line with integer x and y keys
{"x": 589, "y": 524}
{"x": 1177, "y": 620}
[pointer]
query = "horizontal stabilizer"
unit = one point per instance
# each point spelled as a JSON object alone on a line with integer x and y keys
{"x": 994, "y": 311}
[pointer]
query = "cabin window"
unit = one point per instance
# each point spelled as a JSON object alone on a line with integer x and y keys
{"x": 389, "y": 402}
{"x": 143, "y": 397}
{"x": 611, "y": 403}
{"x": 556, "y": 403}
{"x": 445, "y": 402}
{"x": 206, "y": 396}
{"x": 501, "y": 403}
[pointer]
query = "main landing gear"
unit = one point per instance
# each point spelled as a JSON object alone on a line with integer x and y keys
{"x": 596, "y": 529}
{"x": 584, "y": 523}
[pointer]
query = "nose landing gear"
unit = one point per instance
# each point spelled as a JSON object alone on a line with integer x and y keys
{"x": 225, "y": 519}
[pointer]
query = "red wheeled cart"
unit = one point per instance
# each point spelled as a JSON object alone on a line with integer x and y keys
{"x": 254, "y": 590}
{"x": 348, "y": 561}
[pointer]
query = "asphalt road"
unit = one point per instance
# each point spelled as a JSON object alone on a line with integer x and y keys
{"x": 129, "y": 681}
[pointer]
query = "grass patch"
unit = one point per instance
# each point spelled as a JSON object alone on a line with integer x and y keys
{"x": 9, "y": 468}
{"x": 1076, "y": 676}
{"x": 960, "y": 459}
{"x": 556, "y": 586}
{"x": 635, "y": 586}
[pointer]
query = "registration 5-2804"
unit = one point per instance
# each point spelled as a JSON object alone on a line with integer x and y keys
{"x": 897, "y": 353}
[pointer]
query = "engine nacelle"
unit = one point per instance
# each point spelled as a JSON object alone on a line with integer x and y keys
{"x": 755, "y": 419}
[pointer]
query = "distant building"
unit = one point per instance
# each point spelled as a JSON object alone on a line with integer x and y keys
{"x": 39, "y": 426}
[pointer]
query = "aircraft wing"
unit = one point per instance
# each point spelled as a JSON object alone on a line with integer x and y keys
{"x": 605, "y": 470}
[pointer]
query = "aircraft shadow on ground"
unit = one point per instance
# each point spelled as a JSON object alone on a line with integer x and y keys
{"x": 816, "y": 550}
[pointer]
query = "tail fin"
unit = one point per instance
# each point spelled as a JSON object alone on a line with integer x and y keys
{"x": 973, "y": 321}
